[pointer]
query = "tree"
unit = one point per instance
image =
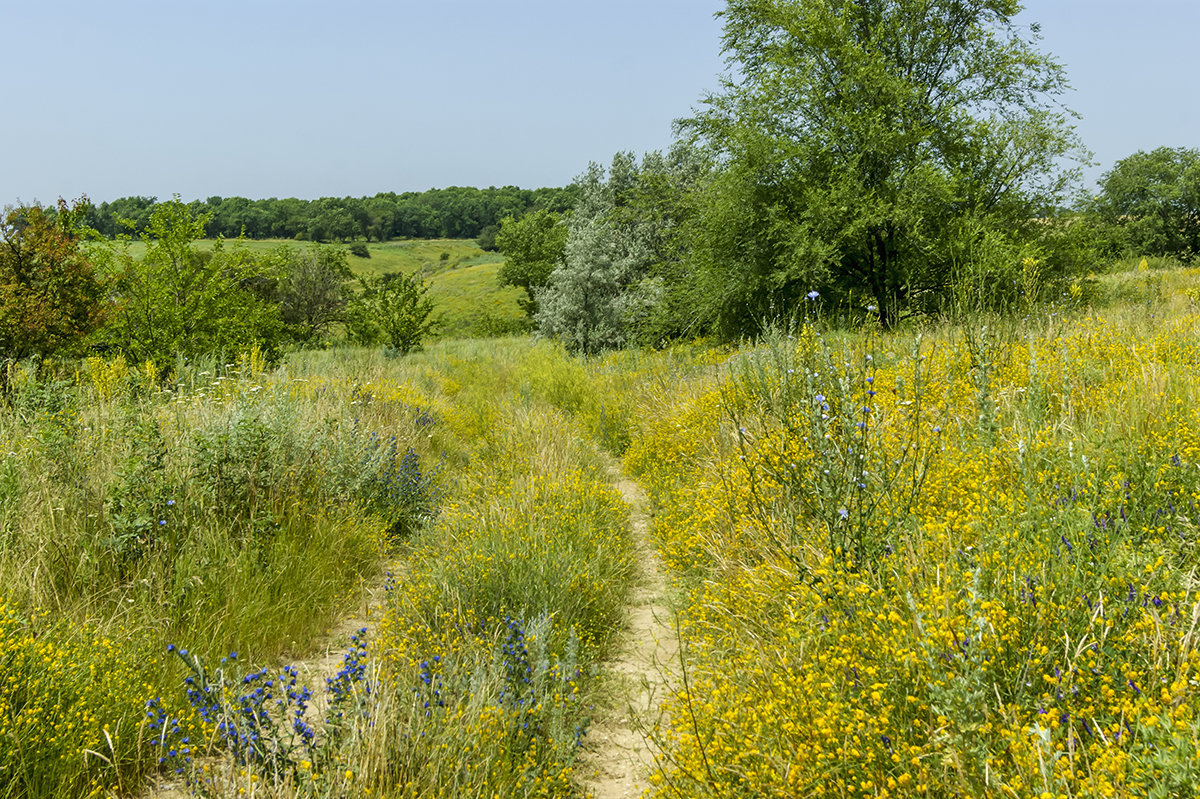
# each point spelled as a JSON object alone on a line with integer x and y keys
{"x": 861, "y": 140}
{"x": 393, "y": 307}
{"x": 582, "y": 303}
{"x": 313, "y": 290}
{"x": 617, "y": 280}
{"x": 533, "y": 246}
{"x": 1155, "y": 198}
{"x": 487, "y": 238}
{"x": 177, "y": 299}
{"x": 51, "y": 298}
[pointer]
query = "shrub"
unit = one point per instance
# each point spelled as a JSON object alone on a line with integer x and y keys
{"x": 394, "y": 308}
{"x": 51, "y": 299}
{"x": 176, "y": 299}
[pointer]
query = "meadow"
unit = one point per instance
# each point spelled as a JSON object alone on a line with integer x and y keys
{"x": 954, "y": 559}
{"x": 463, "y": 279}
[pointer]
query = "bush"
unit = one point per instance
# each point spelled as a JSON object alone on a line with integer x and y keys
{"x": 176, "y": 299}
{"x": 393, "y": 308}
{"x": 50, "y": 297}
{"x": 487, "y": 238}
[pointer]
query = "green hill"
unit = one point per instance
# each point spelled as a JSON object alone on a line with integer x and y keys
{"x": 463, "y": 279}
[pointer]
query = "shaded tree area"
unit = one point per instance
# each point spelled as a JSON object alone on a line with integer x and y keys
{"x": 454, "y": 212}
{"x": 51, "y": 298}
{"x": 889, "y": 158}
{"x": 880, "y": 152}
{"x": 1152, "y": 200}
{"x": 533, "y": 246}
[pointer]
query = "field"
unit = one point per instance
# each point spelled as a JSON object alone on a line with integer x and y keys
{"x": 957, "y": 559}
{"x": 463, "y": 285}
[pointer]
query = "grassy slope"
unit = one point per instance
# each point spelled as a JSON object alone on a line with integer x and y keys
{"x": 464, "y": 286}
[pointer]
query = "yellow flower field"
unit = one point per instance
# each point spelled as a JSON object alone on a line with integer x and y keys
{"x": 957, "y": 564}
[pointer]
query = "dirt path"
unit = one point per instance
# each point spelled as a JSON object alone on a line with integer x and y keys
{"x": 333, "y": 646}
{"x": 619, "y": 757}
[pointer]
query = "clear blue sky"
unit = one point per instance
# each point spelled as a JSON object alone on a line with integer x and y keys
{"x": 330, "y": 99}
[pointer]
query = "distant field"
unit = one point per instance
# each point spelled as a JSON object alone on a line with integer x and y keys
{"x": 463, "y": 285}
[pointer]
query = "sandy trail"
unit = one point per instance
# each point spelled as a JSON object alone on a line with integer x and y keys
{"x": 619, "y": 758}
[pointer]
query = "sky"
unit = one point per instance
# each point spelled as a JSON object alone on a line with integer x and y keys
{"x": 305, "y": 99}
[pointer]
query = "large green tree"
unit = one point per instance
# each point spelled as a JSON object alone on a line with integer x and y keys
{"x": 176, "y": 299}
{"x": 1155, "y": 198}
{"x": 533, "y": 245}
{"x": 51, "y": 299}
{"x": 870, "y": 149}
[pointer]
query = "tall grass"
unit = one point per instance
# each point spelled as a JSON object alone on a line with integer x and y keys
{"x": 482, "y": 668}
{"x": 991, "y": 594}
{"x": 227, "y": 510}
{"x": 948, "y": 561}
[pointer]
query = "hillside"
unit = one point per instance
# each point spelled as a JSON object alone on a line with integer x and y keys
{"x": 463, "y": 284}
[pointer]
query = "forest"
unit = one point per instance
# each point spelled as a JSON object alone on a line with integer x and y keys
{"x": 450, "y": 213}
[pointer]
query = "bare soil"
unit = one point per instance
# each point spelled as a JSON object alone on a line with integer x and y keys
{"x": 620, "y": 754}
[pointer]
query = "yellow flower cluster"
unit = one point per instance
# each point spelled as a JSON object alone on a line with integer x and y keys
{"x": 73, "y": 698}
{"x": 947, "y": 567}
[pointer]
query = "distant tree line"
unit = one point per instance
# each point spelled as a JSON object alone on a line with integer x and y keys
{"x": 873, "y": 162}
{"x": 455, "y": 213}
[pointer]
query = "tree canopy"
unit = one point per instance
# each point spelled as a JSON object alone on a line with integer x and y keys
{"x": 533, "y": 246}
{"x": 51, "y": 299}
{"x": 869, "y": 147}
{"x": 1155, "y": 198}
{"x": 454, "y": 212}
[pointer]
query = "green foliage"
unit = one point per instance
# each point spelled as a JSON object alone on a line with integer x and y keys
{"x": 456, "y": 212}
{"x": 393, "y": 308}
{"x": 177, "y": 299}
{"x": 1154, "y": 199}
{"x": 138, "y": 497}
{"x": 623, "y": 253}
{"x": 580, "y": 305}
{"x": 359, "y": 250}
{"x": 810, "y": 394}
{"x": 492, "y": 325}
{"x": 229, "y": 508}
{"x": 860, "y": 140}
{"x": 532, "y": 246}
{"x": 393, "y": 486}
{"x": 51, "y": 299}
{"x": 487, "y": 238}
{"x": 313, "y": 290}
